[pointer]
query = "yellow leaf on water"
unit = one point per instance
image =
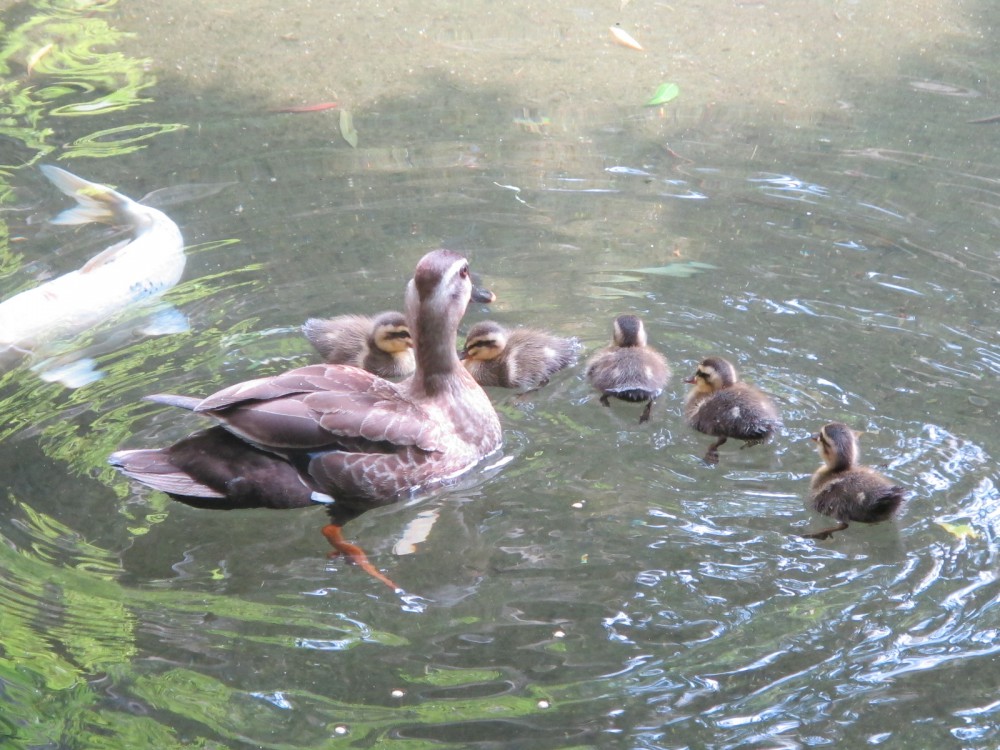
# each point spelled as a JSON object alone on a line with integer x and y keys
{"x": 959, "y": 530}
{"x": 37, "y": 55}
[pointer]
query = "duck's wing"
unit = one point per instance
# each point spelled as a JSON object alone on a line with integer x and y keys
{"x": 309, "y": 379}
{"x": 324, "y": 406}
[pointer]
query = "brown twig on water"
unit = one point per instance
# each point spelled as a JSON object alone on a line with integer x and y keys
{"x": 306, "y": 108}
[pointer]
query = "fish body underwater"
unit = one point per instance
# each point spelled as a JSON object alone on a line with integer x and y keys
{"x": 129, "y": 272}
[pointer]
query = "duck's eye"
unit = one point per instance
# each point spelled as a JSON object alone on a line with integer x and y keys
{"x": 464, "y": 273}
{"x": 702, "y": 374}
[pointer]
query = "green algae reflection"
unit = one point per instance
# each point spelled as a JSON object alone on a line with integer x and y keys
{"x": 62, "y": 63}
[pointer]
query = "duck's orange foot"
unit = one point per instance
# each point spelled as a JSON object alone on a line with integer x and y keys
{"x": 354, "y": 553}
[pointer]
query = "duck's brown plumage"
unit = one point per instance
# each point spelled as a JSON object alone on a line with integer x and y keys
{"x": 844, "y": 489}
{"x": 628, "y": 368}
{"x": 335, "y": 434}
{"x": 380, "y": 344}
{"x": 522, "y": 358}
{"x": 721, "y": 405}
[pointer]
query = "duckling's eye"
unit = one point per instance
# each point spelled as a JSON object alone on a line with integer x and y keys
{"x": 464, "y": 273}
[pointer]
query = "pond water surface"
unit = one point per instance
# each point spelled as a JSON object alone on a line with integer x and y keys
{"x": 819, "y": 204}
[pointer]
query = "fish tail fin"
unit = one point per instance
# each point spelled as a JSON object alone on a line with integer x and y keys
{"x": 96, "y": 202}
{"x": 170, "y": 399}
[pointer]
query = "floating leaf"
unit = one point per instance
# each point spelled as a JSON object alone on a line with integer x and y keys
{"x": 960, "y": 531}
{"x": 607, "y": 292}
{"x": 665, "y": 93}
{"x": 347, "y": 128}
{"x": 683, "y": 269}
{"x": 618, "y": 278}
{"x": 624, "y": 38}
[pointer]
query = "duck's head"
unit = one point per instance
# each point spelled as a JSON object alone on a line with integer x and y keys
{"x": 436, "y": 298}
{"x": 441, "y": 288}
{"x": 713, "y": 374}
{"x": 486, "y": 340}
{"x": 837, "y": 445}
{"x": 390, "y": 333}
{"x": 629, "y": 331}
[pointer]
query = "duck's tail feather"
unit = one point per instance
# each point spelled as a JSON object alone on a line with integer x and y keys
{"x": 155, "y": 469}
{"x": 171, "y": 399}
{"x": 96, "y": 202}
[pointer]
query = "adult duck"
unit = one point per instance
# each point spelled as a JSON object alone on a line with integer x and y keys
{"x": 843, "y": 488}
{"x": 334, "y": 434}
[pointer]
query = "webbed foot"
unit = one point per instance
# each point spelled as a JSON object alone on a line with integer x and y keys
{"x": 825, "y": 533}
{"x": 335, "y": 536}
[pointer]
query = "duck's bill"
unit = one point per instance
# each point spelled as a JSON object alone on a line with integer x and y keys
{"x": 479, "y": 294}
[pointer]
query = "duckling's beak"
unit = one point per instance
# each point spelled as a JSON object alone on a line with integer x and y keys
{"x": 479, "y": 294}
{"x": 689, "y": 380}
{"x": 463, "y": 354}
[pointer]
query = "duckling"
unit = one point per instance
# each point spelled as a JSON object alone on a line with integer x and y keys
{"x": 380, "y": 344}
{"x": 720, "y": 404}
{"x": 523, "y": 358}
{"x": 629, "y": 368}
{"x": 337, "y": 435}
{"x": 843, "y": 489}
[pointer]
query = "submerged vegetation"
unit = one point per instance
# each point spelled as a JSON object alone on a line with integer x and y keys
{"x": 69, "y": 629}
{"x": 61, "y": 64}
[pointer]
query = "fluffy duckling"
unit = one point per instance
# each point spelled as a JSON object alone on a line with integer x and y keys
{"x": 845, "y": 490}
{"x": 720, "y": 404}
{"x": 380, "y": 344}
{"x": 522, "y": 358}
{"x": 628, "y": 368}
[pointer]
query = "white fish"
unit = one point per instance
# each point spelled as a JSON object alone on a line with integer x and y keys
{"x": 136, "y": 270}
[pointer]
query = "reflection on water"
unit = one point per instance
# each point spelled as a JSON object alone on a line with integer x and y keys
{"x": 604, "y": 587}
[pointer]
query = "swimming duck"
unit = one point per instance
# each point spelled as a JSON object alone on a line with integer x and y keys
{"x": 523, "y": 358}
{"x": 380, "y": 344}
{"x": 629, "y": 368}
{"x": 720, "y": 404}
{"x": 843, "y": 489}
{"x": 338, "y": 435}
